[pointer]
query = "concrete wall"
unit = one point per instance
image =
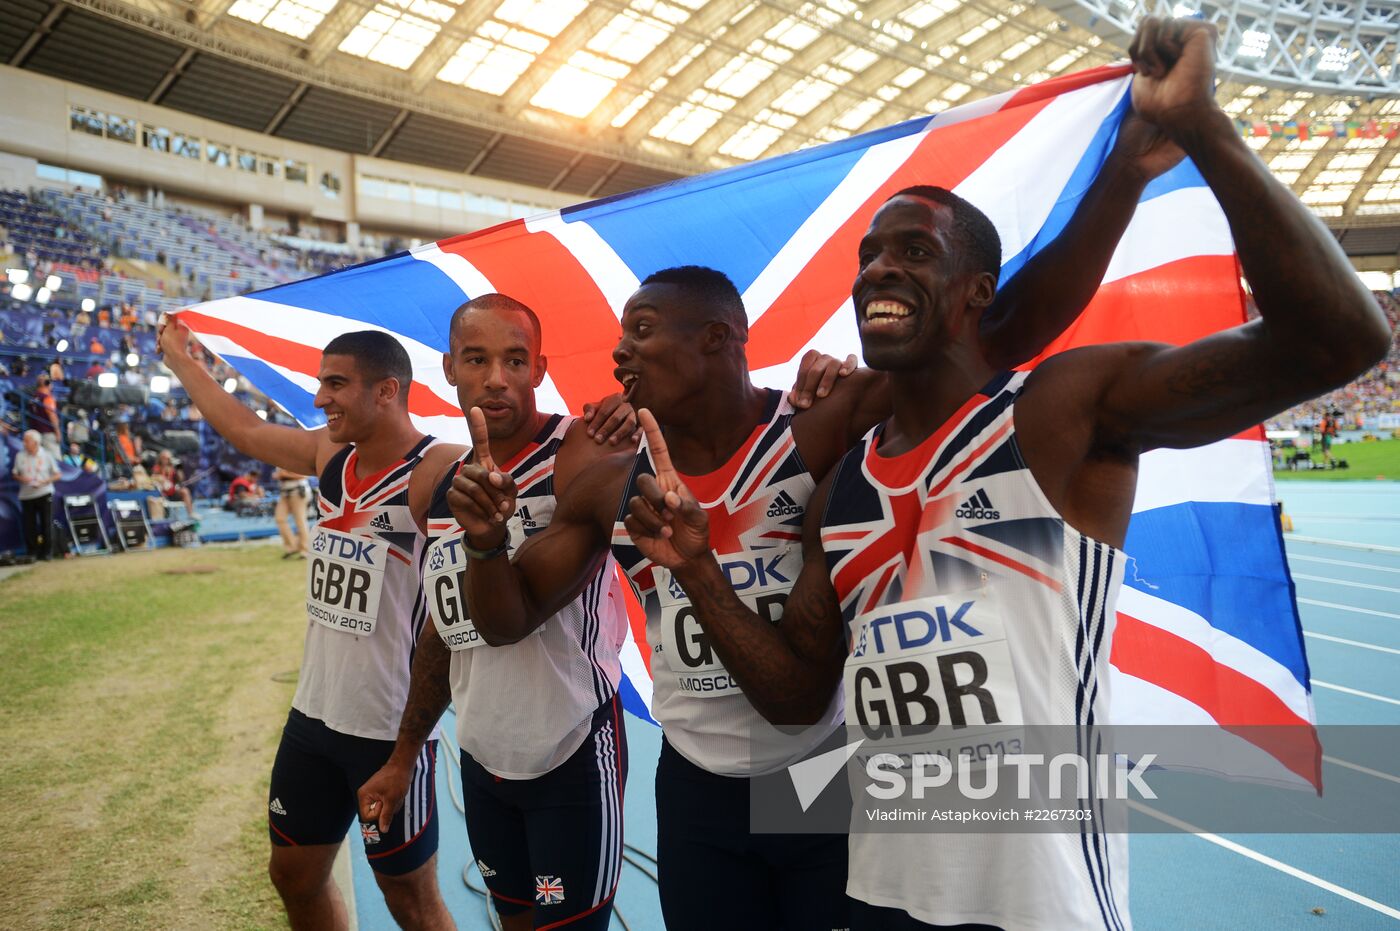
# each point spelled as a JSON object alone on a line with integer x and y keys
{"x": 35, "y": 127}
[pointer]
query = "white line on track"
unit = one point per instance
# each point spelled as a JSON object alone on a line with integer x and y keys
{"x": 1333, "y": 604}
{"x": 1357, "y": 692}
{"x": 1361, "y": 769}
{"x": 1343, "y": 562}
{"x": 1345, "y": 544}
{"x": 1268, "y": 861}
{"x": 1348, "y": 584}
{"x": 1352, "y": 643}
{"x": 1345, "y": 518}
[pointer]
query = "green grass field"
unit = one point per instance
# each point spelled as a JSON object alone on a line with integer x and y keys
{"x": 1378, "y": 460}
{"x": 139, "y": 712}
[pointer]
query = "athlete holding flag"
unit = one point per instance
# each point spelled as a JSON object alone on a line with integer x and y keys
{"x": 905, "y": 522}
{"x": 754, "y": 462}
{"x": 364, "y": 614}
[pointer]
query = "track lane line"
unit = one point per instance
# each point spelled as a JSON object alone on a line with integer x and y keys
{"x": 1342, "y": 607}
{"x": 1351, "y": 643}
{"x": 1268, "y": 861}
{"x": 1357, "y": 692}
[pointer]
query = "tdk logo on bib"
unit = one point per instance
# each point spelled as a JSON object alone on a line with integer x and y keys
{"x": 910, "y": 629}
{"x": 347, "y": 548}
{"x": 756, "y": 572}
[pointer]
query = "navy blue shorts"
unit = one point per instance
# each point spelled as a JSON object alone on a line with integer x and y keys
{"x": 554, "y": 843}
{"x": 716, "y": 874}
{"x": 312, "y": 797}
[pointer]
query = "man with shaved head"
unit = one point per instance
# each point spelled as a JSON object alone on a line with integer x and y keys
{"x": 544, "y": 752}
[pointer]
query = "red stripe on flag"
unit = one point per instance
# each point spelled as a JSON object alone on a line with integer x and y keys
{"x": 1239, "y": 704}
{"x": 636, "y": 618}
{"x": 1066, "y": 83}
{"x": 945, "y": 157}
{"x": 579, "y": 327}
{"x": 1175, "y": 303}
{"x": 303, "y": 359}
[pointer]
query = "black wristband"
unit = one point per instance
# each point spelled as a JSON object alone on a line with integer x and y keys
{"x": 500, "y": 549}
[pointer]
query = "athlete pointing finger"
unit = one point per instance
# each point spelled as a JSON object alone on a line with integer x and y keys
{"x": 751, "y": 461}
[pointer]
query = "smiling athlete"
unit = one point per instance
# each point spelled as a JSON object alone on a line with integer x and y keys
{"x": 364, "y": 615}
{"x": 754, "y": 462}
{"x": 1001, "y": 499}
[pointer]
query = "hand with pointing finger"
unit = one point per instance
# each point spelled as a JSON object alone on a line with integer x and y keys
{"x": 665, "y": 521}
{"x": 482, "y": 497}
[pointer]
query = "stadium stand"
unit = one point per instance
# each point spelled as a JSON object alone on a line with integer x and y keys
{"x": 108, "y": 264}
{"x": 87, "y": 275}
{"x": 1371, "y": 403}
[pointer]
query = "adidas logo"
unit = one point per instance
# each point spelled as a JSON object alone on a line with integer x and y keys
{"x": 978, "y": 507}
{"x": 526, "y": 521}
{"x": 275, "y": 806}
{"x": 382, "y": 522}
{"x": 783, "y": 505}
{"x": 486, "y": 871}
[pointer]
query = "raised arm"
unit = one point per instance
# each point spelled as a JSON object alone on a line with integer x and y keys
{"x": 1055, "y": 286}
{"x": 508, "y": 598}
{"x": 291, "y": 448}
{"x": 788, "y": 670}
{"x": 1319, "y": 327}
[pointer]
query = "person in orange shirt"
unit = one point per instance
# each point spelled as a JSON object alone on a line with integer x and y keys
{"x": 128, "y": 446}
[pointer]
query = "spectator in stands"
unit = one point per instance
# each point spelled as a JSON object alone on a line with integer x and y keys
{"x": 244, "y": 488}
{"x": 294, "y": 494}
{"x": 76, "y": 458}
{"x": 56, "y": 371}
{"x": 95, "y": 346}
{"x": 128, "y": 447}
{"x": 170, "y": 481}
{"x": 169, "y": 412}
{"x": 78, "y": 431}
{"x": 97, "y": 368}
{"x": 104, "y": 318}
{"x": 81, "y": 322}
{"x": 36, "y": 469}
{"x": 43, "y": 414}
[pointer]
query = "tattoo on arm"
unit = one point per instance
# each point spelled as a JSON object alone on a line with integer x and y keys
{"x": 429, "y": 690}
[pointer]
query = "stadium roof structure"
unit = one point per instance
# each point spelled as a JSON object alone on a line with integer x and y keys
{"x": 594, "y": 97}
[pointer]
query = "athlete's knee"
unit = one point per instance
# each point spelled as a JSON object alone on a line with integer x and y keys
{"x": 414, "y": 899}
{"x": 296, "y": 878}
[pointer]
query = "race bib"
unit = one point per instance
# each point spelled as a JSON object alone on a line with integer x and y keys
{"x": 344, "y": 579}
{"x": 925, "y": 672}
{"x": 445, "y": 586}
{"x": 761, "y": 578}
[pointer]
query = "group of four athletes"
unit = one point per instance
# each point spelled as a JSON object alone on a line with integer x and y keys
{"x": 763, "y": 538}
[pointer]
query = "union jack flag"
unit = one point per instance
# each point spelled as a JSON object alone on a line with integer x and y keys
{"x": 1208, "y": 631}
{"x": 549, "y": 890}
